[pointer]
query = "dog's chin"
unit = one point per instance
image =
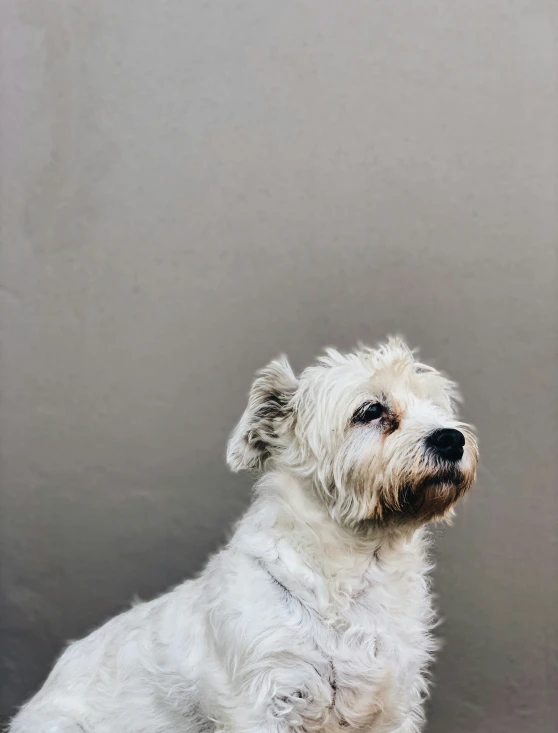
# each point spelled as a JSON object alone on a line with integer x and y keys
{"x": 431, "y": 497}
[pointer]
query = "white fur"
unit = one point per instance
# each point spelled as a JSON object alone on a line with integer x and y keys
{"x": 317, "y": 614}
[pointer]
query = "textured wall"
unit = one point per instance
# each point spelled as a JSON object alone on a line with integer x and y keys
{"x": 189, "y": 188}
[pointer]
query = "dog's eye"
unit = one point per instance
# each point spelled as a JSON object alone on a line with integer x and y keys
{"x": 369, "y": 412}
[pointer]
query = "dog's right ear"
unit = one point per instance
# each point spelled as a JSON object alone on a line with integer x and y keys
{"x": 266, "y": 420}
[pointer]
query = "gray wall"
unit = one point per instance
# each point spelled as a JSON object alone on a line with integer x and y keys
{"x": 189, "y": 188}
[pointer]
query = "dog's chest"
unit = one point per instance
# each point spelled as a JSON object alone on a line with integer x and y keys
{"x": 377, "y": 660}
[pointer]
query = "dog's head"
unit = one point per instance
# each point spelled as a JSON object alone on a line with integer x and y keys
{"x": 375, "y": 433}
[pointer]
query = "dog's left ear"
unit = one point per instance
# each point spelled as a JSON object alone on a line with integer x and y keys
{"x": 265, "y": 422}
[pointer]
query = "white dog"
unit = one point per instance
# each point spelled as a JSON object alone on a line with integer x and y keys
{"x": 317, "y": 615}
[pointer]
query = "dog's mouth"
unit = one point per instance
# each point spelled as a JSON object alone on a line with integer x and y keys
{"x": 442, "y": 473}
{"x": 431, "y": 496}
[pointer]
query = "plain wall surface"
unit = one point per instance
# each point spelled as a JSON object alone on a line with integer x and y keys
{"x": 190, "y": 188}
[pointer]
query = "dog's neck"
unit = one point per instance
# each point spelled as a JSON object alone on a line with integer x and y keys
{"x": 291, "y": 534}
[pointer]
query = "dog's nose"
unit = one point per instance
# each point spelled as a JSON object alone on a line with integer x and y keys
{"x": 447, "y": 443}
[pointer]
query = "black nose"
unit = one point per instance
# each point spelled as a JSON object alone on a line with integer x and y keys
{"x": 447, "y": 443}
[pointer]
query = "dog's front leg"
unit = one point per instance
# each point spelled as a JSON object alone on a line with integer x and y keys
{"x": 280, "y": 700}
{"x": 414, "y": 722}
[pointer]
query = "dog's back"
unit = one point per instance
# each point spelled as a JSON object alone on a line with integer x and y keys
{"x": 122, "y": 677}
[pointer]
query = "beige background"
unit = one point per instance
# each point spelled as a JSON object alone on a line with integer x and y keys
{"x": 189, "y": 188}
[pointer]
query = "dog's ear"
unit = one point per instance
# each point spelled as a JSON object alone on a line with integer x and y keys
{"x": 266, "y": 420}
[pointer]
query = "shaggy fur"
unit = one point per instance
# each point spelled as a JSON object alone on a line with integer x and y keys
{"x": 317, "y": 615}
